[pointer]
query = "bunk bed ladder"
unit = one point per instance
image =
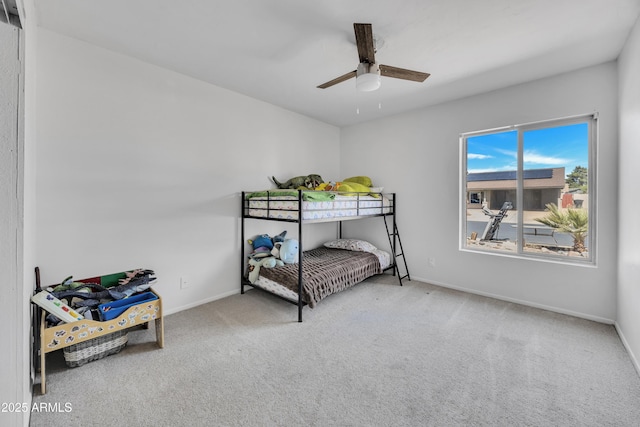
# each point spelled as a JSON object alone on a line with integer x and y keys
{"x": 395, "y": 243}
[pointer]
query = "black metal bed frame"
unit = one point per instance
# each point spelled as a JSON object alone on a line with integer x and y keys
{"x": 394, "y": 236}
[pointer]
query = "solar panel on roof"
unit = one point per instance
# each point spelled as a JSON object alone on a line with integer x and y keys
{"x": 538, "y": 173}
{"x": 509, "y": 175}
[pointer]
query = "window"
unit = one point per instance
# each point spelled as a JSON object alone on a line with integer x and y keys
{"x": 528, "y": 190}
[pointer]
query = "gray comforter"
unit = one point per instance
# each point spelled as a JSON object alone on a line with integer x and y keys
{"x": 325, "y": 271}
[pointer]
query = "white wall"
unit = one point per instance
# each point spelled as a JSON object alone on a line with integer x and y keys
{"x": 138, "y": 166}
{"x": 417, "y": 155}
{"x": 628, "y": 321}
{"x": 30, "y": 32}
{"x": 14, "y": 369}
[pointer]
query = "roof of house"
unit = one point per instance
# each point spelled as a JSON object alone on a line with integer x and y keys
{"x": 533, "y": 178}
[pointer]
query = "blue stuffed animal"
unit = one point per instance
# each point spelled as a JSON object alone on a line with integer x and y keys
{"x": 263, "y": 244}
{"x": 287, "y": 251}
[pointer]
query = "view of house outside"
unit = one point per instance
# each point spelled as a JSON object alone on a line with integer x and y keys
{"x": 549, "y": 163}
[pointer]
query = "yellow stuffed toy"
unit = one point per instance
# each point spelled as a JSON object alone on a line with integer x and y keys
{"x": 363, "y": 180}
{"x": 349, "y": 186}
{"x": 325, "y": 186}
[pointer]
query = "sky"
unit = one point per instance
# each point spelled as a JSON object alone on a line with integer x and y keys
{"x": 543, "y": 148}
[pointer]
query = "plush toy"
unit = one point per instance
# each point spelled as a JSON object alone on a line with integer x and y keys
{"x": 280, "y": 237}
{"x": 349, "y": 186}
{"x": 326, "y": 186}
{"x": 286, "y": 251}
{"x": 270, "y": 252}
{"x": 262, "y": 241}
{"x": 256, "y": 264}
{"x": 299, "y": 182}
{"x": 263, "y": 244}
{"x": 352, "y": 186}
{"x": 362, "y": 180}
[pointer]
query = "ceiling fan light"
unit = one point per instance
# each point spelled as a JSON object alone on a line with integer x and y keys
{"x": 368, "y": 82}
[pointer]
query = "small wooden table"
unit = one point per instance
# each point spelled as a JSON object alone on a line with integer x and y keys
{"x": 61, "y": 336}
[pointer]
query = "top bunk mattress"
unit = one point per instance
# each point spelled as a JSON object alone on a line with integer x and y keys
{"x": 316, "y": 205}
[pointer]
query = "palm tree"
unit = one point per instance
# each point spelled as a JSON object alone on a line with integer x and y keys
{"x": 573, "y": 221}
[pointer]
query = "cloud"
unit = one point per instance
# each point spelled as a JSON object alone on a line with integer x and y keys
{"x": 478, "y": 156}
{"x": 509, "y": 153}
{"x": 496, "y": 169}
{"x": 539, "y": 159}
{"x": 480, "y": 170}
{"x": 533, "y": 157}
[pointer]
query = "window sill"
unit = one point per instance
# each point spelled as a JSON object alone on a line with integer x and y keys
{"x": 558, "y": 259}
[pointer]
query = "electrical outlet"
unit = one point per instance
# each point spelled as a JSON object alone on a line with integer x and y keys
{"x": 184, "y": 282}
{"x": 432, "y": 262}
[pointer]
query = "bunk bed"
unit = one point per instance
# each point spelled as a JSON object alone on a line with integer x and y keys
{"x": 337, "y": 265}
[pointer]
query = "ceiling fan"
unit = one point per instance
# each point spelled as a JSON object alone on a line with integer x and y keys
{"x": 368, "y": 72}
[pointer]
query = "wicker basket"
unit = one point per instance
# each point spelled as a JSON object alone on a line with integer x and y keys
{"x": 97, "y": 348}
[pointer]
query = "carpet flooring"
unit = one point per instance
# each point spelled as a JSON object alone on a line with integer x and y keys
{"x": 375, "y": 355}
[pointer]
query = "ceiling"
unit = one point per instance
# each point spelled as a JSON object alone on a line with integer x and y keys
{"x": 278, "y": 51}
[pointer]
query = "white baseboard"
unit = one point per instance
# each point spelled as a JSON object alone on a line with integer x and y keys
{"x": 200, "y": 302}
{"x": 521, "y": 302}
{"x": 625, "y": 343}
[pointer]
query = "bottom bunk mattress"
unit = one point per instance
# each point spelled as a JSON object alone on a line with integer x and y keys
{"x": 325, "y": 271}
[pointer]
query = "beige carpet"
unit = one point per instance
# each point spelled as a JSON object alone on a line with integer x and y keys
{"x": 375, "y": 355}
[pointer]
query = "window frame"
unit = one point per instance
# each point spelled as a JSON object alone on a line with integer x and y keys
{"x": 593, "y": 133}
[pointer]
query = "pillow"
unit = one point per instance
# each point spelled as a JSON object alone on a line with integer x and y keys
{"x": 351, "y": 245}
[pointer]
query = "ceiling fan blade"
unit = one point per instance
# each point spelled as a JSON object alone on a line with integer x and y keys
{"x": 364, "y": 41}
{"x": 337, "y": 80}
{"x": 401, "y": 73}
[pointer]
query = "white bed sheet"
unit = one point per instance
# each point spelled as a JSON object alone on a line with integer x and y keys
{"x": 286, "y": 207}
